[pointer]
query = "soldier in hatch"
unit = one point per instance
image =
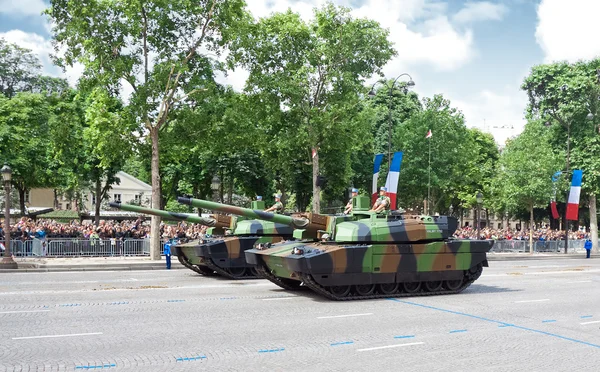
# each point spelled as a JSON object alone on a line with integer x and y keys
{"x": 349, "y": 205}
{"x": 277, "y": 207}
{"x": 383, "y": 202}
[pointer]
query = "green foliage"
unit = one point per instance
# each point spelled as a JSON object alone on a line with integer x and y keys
{"x": 19, "y": 69}
{"x": 526, "y": 168}
{"x": 310, "y": 75}
{"x": 451, "y": 153}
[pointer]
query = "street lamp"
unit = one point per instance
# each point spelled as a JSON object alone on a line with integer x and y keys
{"x": 372, "y": 93}
{"x": 479, "y": 203}
{"x": 214, "y": 185}
{"x": 7, "y": 261}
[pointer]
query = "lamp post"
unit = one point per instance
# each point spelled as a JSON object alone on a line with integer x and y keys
{"x": 7, "y": 260}
{"x": 214, "y": 185}
{"x": 479, "y": 202}
{"x": 372, "y": 93}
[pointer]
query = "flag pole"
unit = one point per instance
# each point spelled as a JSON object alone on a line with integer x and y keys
{"x": 429, "y": 135}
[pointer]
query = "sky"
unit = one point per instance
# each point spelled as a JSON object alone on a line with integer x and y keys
{"x": 475, "y": 53}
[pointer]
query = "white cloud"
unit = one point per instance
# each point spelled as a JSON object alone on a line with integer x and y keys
{"x": 20, "y": 8}
{"x": 480, "y": 11}
{"x": 501, "y": 114}
{"x": 43, "y": 48}
{"x": 568, "y": 30}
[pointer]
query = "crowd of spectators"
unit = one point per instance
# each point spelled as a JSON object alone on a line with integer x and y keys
{"x": 539, "y": 234}
{"x": 27, "y": 229}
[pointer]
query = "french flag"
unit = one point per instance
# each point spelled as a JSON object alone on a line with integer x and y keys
{"x": 392, "y": 179}
{"x": 573, "y": 203}
{"x": 376, "y": 166}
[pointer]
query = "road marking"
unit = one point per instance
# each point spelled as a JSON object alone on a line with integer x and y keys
{"x": 342, "y": 343}
{"x": 278, "y": 298}
{"x": 594, "y": 322}
{"x": 343, "y": 316}
{"x": 458, "y": 331}
{"x": 585, "y": 316}
{"x": 410, "y": 336}
{"x": 525, "y": 301}
{"x": 271, "y": 350}
{"x": 23, "y": 311}
{"x": 549, "y": 321}
{"x": 391, "y": 346}
{"x": 497, "y": 322}
{"x": 580, "y": 281}
{"x": 55, "y": 336}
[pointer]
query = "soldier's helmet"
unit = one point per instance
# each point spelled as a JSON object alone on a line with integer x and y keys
{"x": 259, "y": 198}
{"x": 383, "y": 188}
{"x": 355, "y": 190}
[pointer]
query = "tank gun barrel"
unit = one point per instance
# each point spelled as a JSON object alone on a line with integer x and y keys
{"x": 165, "y": 214}
{"x": 246, "y": 212}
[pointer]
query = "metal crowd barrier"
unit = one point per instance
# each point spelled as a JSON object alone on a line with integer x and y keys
{"x": 549, "y": 246}
{"x": 141, "y": 247}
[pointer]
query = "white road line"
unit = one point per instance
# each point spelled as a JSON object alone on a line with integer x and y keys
{"x": 278, "y": 298}
{"x": 55, "y": 336}
{"x": 342, "y": 316}
{"x": 522, "y": 302}
{"x": 580, "y": 281}
{"x": 594, "y": 322}
{"x": 23, "y": 311}
{"x": 390, "y": 346}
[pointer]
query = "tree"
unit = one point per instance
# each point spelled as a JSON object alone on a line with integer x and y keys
{"x": 567, "y": 94}
{"x": 315, "y": 71}
{"x": 155, "y": 47}
{"x": 24, "y": 140}
{"x": 452, "y": 150}
{"x": 19, "y": 68}
{"x": 108, "y": 143}
{"x": 526, "y": 168}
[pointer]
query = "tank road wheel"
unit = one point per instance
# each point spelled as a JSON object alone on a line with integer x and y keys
{"x": 294, "y": 284}
{"x": 388, "y": 288}
{"x": 254, "y": 272}
{"x": 364, "y": 290}
{"x": 412, "y": 287}
{"x": 236, "y": 272}
{"x": 453, "y": 285}
{"x": 339, "y": 290}
{"x": 433, "y": 286}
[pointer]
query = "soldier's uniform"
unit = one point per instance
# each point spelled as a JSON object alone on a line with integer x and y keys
{"x": 383, "y": 200}
{"x": 278, "y": 207}
{"x": 348, "y": 208}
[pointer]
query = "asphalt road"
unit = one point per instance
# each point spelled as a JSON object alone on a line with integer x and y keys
{"x": 519, "y": 316}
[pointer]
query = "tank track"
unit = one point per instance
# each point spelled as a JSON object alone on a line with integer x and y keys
{"x": 313, "y": 285}
{"x": 194, "y": 268}
{"x": 247, "y": 275}
{"x": 263, "y": 271}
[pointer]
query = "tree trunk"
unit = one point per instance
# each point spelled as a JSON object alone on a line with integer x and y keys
{"x": 55, "y": 199}
{"x": 531, "y": 228}
{"x": 230, "y": 189}
{"x": 21, "y": 200}
{"x": 156, "y": 197}
{"x": 487, "y": 218}
{"x": 98, "y": 193}
{"x": 593, "y": 223}
{"x": 316, "y": 205}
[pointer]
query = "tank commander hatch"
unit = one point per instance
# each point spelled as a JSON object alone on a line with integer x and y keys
{"x": 277, "y": 207}
{"x": 349, "y": 205}
{"x": 383, "y": 202}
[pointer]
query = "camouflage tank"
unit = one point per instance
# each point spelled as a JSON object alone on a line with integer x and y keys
{"x": 388, "y": 254}
{"x": 302, "y": 227}
{"x": 225, "y": 254}
{"x": 218, "y": 224}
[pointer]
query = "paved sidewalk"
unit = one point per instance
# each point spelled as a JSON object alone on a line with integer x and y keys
{"x": 93, "y": 264}
{"x": 145, "y": 263}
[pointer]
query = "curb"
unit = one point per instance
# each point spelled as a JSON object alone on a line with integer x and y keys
{"x": 104, "y": 267}
{"x": 529, "y": 257}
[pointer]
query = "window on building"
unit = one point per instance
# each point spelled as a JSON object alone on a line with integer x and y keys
{"x": 499, "y": 225}
{"x": 137, "y": 198}
{"x": 117, "y": 197}
{"x": 93, "y": 199}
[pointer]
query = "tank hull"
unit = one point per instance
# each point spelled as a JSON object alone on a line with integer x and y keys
{"x": 225, "y": 256}
{"x": 343, "y": 272}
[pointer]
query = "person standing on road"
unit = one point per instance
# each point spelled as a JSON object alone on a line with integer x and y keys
{"x": 167, "y": 252}
{"x": 588, "y": 248}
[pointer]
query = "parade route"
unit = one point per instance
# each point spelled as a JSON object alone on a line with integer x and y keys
{"x": 534, "y": 315}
